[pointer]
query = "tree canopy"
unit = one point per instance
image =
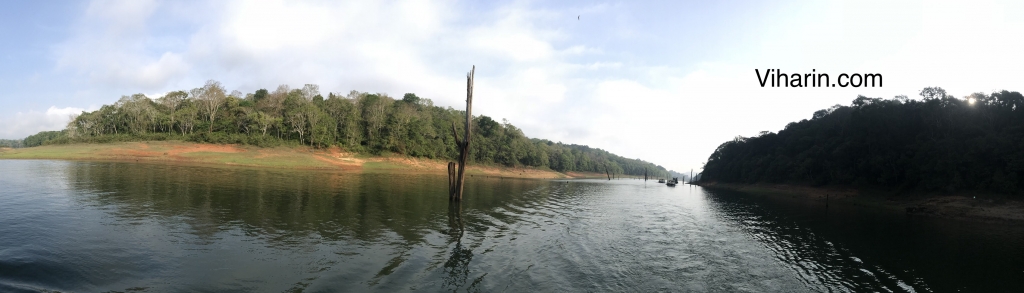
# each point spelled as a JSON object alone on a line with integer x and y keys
{"x": 39, "y": 138}
{"x": 938, "y": 143}
{"x": 373, "y": 123}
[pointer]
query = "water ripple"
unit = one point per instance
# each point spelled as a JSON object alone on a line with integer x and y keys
{"x": 123, "y": 227}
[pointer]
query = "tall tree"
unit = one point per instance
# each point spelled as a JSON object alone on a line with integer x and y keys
{"x": 171, "y": 101}
{"x": 374, "y": 113}
{"x": 309, "y": 91}
{"x": 210, "y": 98}
{"x": 187, "y": 116}
{"x": 346, "y": 118}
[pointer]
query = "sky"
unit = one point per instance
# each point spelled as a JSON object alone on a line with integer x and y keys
{"x": 662, "y": 81}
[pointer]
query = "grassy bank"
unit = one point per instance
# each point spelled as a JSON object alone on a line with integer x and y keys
{"x": 251, "y": 156}
{"x": 967, "y": 206}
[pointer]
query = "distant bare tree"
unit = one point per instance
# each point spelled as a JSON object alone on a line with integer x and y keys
{"x": 171, "y": 101}
{"x": 314, "y": 116}
{"x": 297, "y": 120}
{"x": 139, "y": 112}
{"x": 354, "y": 95}
{"x": 933, "y": 93}
{"x": 264, "y": 121}
{"x": 187, "y": 116}
{"x": 210, "y": 97}
{"x": 87, "y": 123}
{"x": 72, "y": 126}
{"x": 309, "y": 91}
{"x": 374, "y": 113}
{"x": 245, "y": 119}
{"x": 273, "y": 103}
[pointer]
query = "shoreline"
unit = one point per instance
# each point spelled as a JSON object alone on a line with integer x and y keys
{"x": 968, "y": 206}
{"x": 286, "y": 158}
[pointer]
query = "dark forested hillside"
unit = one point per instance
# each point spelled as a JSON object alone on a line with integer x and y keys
{"x": 940, "y": 143}
{"x": 360, "y": 122}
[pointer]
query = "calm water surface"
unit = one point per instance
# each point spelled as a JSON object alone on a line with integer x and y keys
{"x": 94, "y": 227}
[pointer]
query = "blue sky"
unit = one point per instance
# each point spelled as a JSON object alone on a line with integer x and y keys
{"x": 664, "y": 81}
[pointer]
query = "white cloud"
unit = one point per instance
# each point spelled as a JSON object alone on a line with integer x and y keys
{"x": 23, "y": 124}
{"x": 603, "y": 65}
{"x": 110, "y": 47}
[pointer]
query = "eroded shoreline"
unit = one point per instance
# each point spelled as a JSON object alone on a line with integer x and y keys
{"x": 294, "y": 158}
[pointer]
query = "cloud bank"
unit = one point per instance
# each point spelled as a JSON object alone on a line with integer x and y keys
{"x": 33, "y": 122}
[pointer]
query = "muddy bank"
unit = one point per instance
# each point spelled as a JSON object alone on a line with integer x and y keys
{"x": 299, "y": 158}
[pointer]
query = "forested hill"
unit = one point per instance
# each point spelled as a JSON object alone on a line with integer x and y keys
{"x": 360, "y": 122}
{"x": 940, "y": 143}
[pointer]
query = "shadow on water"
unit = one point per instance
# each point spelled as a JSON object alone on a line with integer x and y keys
{"x": 847, "y": 247}
{"x": 456, "y": 269}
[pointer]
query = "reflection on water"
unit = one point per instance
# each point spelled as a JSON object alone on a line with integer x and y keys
{"x": 852, "y": 247}
{"x": 77, "y": 226}
{"x": 457, "y": 267}
{"x": 819, "y": 263}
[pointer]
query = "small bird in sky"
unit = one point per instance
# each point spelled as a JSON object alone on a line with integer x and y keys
{"x": 577, "y": 17}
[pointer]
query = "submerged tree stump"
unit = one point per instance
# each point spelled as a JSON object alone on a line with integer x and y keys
{"x": 451, "y": 178}
{"x": 455, "y": 191}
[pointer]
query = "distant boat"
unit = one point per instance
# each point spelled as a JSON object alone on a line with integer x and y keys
{"x": 661, "y": 180}
{"x": 673, "y": 181}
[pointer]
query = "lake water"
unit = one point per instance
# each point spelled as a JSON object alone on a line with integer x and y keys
{"x": 94, "y": 227}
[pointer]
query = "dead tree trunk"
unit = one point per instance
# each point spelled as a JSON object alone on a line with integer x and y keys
{"x": 451, "y": 178}
{"x": 463, "y": 145}
{"x": 606, "y": 173}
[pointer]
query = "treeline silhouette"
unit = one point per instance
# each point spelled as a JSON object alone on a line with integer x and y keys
{"x": 11, "y": 143}
{"x": 37, "y": 139}
{"x": 40, "y": 138}
{"x": 357, "y": 121}
{"x": 939, "y": 143}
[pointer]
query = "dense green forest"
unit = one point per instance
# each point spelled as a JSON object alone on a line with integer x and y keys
{"x": 938, "y": 143}
{"x": 357, "y": 121}
{"x": 40, "y": 138}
